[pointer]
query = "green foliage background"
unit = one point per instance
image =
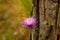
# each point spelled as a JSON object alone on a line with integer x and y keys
{"x": 12, "y": 14}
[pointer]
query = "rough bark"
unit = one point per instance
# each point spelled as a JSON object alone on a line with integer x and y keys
{"x": 58, "y": 22}
{"x": 48, "y": 20}
{"x": 48, "y": 12}
{"x": 35, "y": 13}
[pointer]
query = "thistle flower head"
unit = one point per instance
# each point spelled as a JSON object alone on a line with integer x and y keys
{"x": 29, "y": 22}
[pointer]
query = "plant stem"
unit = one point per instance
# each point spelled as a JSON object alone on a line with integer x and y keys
{"x": 31, "y": 34}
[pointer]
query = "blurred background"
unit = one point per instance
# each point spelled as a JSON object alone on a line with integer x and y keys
{"x": 13, "y": 12}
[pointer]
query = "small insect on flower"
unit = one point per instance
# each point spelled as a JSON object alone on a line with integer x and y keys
{"x": 29, "y": 22}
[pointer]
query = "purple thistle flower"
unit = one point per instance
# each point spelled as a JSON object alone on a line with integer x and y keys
{"x": 29, "y": 22}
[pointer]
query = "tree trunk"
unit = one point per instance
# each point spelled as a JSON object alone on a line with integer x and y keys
{"x": 48, "y": 13}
